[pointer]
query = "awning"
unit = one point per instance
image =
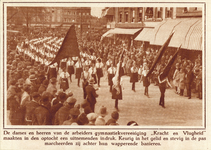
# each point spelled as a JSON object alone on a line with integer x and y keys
{"x": 188, "y": 32}
{"x": 144, "y": 35}
{"x": 111, "y": 32}
{"x": 124, "y": 31}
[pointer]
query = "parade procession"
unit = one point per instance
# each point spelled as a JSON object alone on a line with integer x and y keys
{"x": 138, "y": 76}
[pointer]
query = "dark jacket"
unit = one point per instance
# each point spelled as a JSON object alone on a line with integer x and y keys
{"x": 62, "y": 114}
{"x": 189, "y": 77}
{"x": 42, "y": 88}
{"x": 30, "y": 107}
{"x": 54, "y": 109}
{"x": 91, "y": 94}
{"x": 16, "y": 113}
{"x": 41, "y": 116}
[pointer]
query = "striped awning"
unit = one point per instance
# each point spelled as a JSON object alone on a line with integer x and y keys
{"x": 144, "y": 35}
{"x": 188, "y": 33}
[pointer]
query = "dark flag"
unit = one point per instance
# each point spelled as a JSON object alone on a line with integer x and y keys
{"x": 69, "y": 47}
{"x": 116, "y": 78}
{"x": 166, "y": 70}
{"x": 160, "y": 54}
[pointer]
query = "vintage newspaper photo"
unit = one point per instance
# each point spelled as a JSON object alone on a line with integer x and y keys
{"x": 104, "y": 75}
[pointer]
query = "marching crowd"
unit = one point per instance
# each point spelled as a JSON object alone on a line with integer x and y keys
{"x": 38, "y": 94}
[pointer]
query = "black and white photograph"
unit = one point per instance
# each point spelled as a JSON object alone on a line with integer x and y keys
{"x": 109, "y": 65}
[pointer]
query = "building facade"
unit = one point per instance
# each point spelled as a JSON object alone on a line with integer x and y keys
{"x": 50, "y": 16}
{"x": 137, "y": 17}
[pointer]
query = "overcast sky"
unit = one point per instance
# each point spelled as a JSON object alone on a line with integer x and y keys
{"x": 96, "y": 11}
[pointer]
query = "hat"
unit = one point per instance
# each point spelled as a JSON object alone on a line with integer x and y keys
{"x": 91, "y": 81}
{"x": 32, "y": 77}
{"x": 103, "y": 111}
{"x": 71, "y": 100}
{"x": 74, "y": 111}
{"x": 92, "y": 116}
{"x": 69, "y": 93}
{"x": 82, "y": 119}
{"x": 62, "y": 96}
{"x": 53, "y": 80}
{"x": 115, "y": 115}
{"x": 132, "y": 123}
{"x": 100, "y": 121}
{"x": 35, "y": 95}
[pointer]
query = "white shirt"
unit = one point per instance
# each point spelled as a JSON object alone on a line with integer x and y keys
{"x": 70, "y": 63}
{"x": 78, "y": 65}
{"x": 64, "y": 75}
{"x": 99, "y": 65}
{"x": 112, "y": 70}
{"x": 92, "y": 70}
{"x": 134, "y": 70}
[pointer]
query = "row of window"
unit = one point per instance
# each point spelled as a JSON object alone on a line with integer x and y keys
{"x": 75, "y": 20}
{"x": 75, "y": 13}
{"x": 130, "y": 16}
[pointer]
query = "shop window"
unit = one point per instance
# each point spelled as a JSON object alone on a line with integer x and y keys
{"x": 140, "y": 15}
{"x": 120, "y": 17}
{"x": 159, "y": 12}
{"x": 126, "y": 16}
{"x": 149, "y": 12}
{"x": 168, "y": 12}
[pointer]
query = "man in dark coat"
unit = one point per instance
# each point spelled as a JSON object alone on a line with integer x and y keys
{"x": 189, "y": 80}
{"x": 41, "y": 115}
{"x": 91, "y": 94}
{"x": 30, "y": 107}
{"x": 57, "y": 104}
{"x": 63, "y": 113}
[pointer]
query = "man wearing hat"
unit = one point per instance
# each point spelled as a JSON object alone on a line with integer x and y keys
{"x": 74, "y": 112}
{"x": 30, "y": 107}
{"x": 100, "y": 119}
{"x": 33, "y": 86}
{"x": 63, "y": 113}
{"x": 41, "y": 115}
{"x": 92, "y": 118}
{"x": 91, "y": 94}
{"x": 189, "y": 80}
